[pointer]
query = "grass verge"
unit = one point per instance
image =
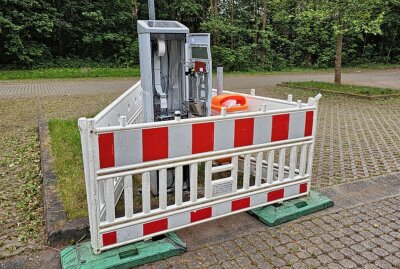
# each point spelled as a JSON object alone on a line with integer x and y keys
{"x": 52, "y": 73}
{"x": 68, "y": 165}
{"x": 344, "y": 88}
{"x": 97, "y": 72}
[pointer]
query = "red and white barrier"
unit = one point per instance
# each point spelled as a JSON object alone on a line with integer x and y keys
{"x": 192, "y": 216}
{"x": 264, "y": 166}
{"x": 133, "y": 146}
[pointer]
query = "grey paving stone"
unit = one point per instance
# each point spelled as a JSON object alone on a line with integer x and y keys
{"x": 347, "y": 252}
{"x": 367, "y": 245}
{"x": 383, "y": 264}
{"x": 303, "y": 255}
{"x": 337, "y": 244}
{"x": 291, "y": 258}
{"x": 299, "y": 265}
{"x": 346, "y": 263}
{"x": 312, "y": 262}
{"x": 324, "y": 259}
{"x": 393, "y": 260}
{"x": 347, "y": 241}
{"x": 264, "y": 265}
{"x": 244, "y": 262}
{"x": 370, "y": 266}
{"x": 257, "y": 257}
{"x": 380, "y": 252}
{"x": 370, "y": 256}
{"x": 390, "y": 248}
{"x": 359, "y": 259}
{"x": 229, "y": 264}
{"x": 334, "y": 266}
{"x": 278, "y": 262}
{"x": 357, "y": 238}
{"x": 336, "y": 255}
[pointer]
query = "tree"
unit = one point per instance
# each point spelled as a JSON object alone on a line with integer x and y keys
{"x": 264, "y": 15}
{"x": 24, "y": 25}
{"x": 349, "y": 17}
{"x": 246, "y": 34}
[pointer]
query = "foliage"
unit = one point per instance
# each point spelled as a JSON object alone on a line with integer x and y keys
{"x": 25, "y": 24}
{"x": 246, "y": 35}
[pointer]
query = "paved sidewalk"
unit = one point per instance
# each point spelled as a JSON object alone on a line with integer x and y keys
{"x": 9, "y": 89}
{"x": 357, "y": 139}
{"x": 355, "y": 233}
{"x": 363, "y": 232}
{"x": 41, "y": 88}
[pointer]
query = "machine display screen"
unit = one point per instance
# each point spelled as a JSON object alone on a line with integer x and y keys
{"x": 199, "y": 53}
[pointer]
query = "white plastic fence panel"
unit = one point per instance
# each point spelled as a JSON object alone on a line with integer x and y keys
{"x": 263, "y": 166}
{"x": 129, "y": 104}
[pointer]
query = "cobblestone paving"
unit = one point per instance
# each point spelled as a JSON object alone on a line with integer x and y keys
{"x": 366, "y": 236}
{"x": 12, "y": 89}
{"x": 388, "y": 78}
{"x": 356, "y": 139}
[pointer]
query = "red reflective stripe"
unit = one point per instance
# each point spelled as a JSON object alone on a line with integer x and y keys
{"x": 303, "y": 188}
{"x": 280, "y": 127}
{"x": 244, "y": 130}
{"x": 202, "y": 137}
{"x": 155, "y": 143}
{"x": 240, "y": 204}
{"x": 155, "y": 226}
{"x": 106, "y": 150}
{"x": 309, "y": 123}
{"x": 200, "y": 214}
{"x": 109, "y": 238}
{"x": 275, "y": 195}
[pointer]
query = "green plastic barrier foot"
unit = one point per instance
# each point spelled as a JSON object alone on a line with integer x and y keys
{"x": 276, "y": 214}
{"x": 81, "y": 256}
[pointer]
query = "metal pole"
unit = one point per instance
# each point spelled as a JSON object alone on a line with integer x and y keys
{"x": 220, "y": 79}
{"x": 152, "y": 10}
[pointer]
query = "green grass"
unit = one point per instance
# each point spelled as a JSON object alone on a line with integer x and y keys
{"x": 68, "y": 165}
{"x": 296, "y": 70}
{"x": 353, "y": 89}
{"x": 97, "y": 72}
{"x": 54, "y": 73}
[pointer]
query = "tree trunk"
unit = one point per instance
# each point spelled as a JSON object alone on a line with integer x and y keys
{"x": 232, "y": 18}
{"x": 214, "y": 12}
{"x": 393, "y": 42}
{"x": 216, "y": 4}
{"x": 338, "y": 59}
{"x": 255, "y": 22}
{"x": 264, "y": 17}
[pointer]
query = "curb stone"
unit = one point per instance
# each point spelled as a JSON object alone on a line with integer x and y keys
{"x": 58, "y": 228}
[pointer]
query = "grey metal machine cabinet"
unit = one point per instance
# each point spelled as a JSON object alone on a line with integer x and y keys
{"x": 176, "y": 75}
{"x": 175, "y": 69}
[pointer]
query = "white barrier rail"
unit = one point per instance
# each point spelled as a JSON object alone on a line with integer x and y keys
{"x": 231, "y": 164}
{"x": 129, "y": 104}
{"x": 126, "y": 109}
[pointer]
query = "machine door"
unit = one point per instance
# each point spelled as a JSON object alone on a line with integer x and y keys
{"x": 199, "y": 74}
